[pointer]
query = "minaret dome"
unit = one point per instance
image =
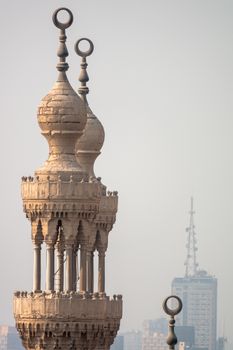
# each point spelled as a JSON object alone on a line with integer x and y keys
{"x": 62, "y": 113}
{"x": 89, "y": 145}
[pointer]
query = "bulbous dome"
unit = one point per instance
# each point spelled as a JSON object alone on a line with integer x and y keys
{"x": 92, "y": 139}
{"x": 62, "y": 110}
{"x": 62, "y": 117}
{"x": 90, "y": 143}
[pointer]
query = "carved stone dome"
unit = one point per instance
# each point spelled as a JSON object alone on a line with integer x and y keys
{"x": 62, "y": 115}
{"x": 62, "y": 118}
{"x": 89, "y": 145}
{"x": 93, "y": 136}
{"x": 62, "y": 110}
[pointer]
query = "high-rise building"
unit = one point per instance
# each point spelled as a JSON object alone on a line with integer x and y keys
{"x": 186, "y": 336}
{"x": 198, "y": 292}
{"x": 71, "y": 214}
{"x": 158, "y": 325}
{"x": 154, "y": 334}
{"x": 9, "y": 339}
{"x": 132, "y": 340}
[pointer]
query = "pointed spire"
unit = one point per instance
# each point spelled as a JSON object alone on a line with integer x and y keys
{"x": 191, "y": 264}
{"x": 62, "y": 52}
{"x": 83, "y": 77}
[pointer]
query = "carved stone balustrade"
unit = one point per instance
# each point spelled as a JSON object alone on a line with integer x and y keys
{"x": 70, "y": 305}
{"x": 67, "y": 321}
{"x": 36, "y": 189}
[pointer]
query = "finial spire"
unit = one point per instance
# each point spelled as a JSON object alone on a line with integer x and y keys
{"x": 83, "y": 77}
{"x": 62, "y": 52}
{"x": 191, "y": 260}
{"x": 171, "y": 337}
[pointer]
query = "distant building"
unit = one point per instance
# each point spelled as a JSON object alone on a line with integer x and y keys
{"x": 118, "y": 343}
{"x": 154, "y": 334}
{"x": 9, "y": 339}
{"x": 198, "y": 292}
{"x": 185, "y": 336}
{"x": 132, "y": 340}
{"x": 158, "y": 325}
{"x": 154, "y": 341}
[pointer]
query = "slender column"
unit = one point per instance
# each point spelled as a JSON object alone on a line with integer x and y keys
{"x": 60, "y": 269}
{"x": 101, "y": 272}
{"x": 90, "y": 272}
{"x": 37, "y": 267}
{"x": 74, "y": 268}
{"x": 69, "y": 267}
{"x": 83, "y": 268}
{"x": 50, "y": 267}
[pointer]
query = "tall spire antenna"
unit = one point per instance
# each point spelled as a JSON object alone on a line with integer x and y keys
{"x": 191, "y": 264}
{"x": 83, "y": 77}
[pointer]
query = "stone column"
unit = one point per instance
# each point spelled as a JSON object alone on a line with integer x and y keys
{"x": 101, "y": 271}
{"x": 37, "y": 267}
{"x": 60, "y": 269}
{"x": 60, "y": 246}
{"x": 75, "y": 268}
{"x": 83, "y": 268}
{"x": 50, "y": 267}
{"x": 69, "y": 267}
{"x": 90, "y": 271}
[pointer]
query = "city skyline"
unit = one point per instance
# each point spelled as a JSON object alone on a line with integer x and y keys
{"x": 168, "y": 126}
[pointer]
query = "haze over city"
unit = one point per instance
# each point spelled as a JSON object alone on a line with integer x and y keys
{"x": 161, "y": 82}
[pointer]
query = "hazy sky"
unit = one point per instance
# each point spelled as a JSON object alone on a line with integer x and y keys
{"x": 161, "y": 82}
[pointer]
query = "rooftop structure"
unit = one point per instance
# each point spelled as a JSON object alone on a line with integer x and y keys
{"x": 71, "y": 214}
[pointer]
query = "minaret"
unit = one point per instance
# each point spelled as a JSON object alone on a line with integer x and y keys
{"x": 191, "y": 264}
{"x": 71, "y": 215}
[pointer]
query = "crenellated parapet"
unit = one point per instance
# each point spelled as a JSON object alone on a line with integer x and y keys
{"x": 71, "y": 305}
{"x": 52, "y": 189}
{"x": 65, "y": 199}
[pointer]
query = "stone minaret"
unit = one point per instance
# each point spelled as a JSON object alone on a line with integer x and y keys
{"x": 71, "y": 216}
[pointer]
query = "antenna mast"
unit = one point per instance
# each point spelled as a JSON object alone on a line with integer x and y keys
{"x": 191, "y": 260}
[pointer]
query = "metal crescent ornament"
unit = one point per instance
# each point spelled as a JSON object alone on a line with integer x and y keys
{"x": 84, "y": 53}
{"x": 172, "y": 312}
{"x": 59, "y": 24}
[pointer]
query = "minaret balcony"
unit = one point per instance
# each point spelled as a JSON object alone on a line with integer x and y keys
{"x": 66, "y": 306}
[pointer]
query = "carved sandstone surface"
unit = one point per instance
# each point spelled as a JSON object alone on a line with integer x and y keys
{"x": 62, "y": 117}
{"x": 71, "y": 321}
{"x": 69, "y": 306}
{"x": 89, "y": 145}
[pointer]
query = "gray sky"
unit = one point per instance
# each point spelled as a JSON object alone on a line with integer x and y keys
{"x": 161, "y": 82}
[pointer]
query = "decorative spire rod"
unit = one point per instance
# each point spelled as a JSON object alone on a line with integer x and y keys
{"x": 62, "y": 52}
{"x": 83, "y": 77}
{"x": 171, "y": 337}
